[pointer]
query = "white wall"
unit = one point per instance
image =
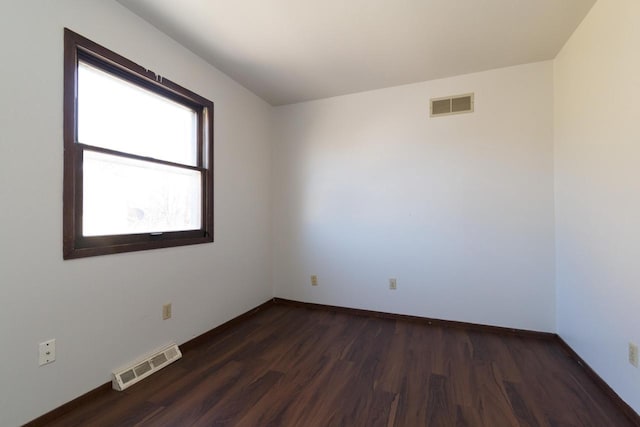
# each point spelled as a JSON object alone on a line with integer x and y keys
{"x": 459, "y": 209}
{"x": 359, "y": 188}
{"x": 597, "y": 148}
{"x": 106, "y": 310}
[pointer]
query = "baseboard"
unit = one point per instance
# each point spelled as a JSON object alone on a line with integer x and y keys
{"x": 46, "y": 419}
{"x": 418, "y": 319}
{"x": 611, "y": 394}
{"x": 602, "y": 384}
{"x": 200, "y": 339}
{"x": 186, "y": 347}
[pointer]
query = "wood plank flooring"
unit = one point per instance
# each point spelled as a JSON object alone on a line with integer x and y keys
{"x": 293, "y": 366}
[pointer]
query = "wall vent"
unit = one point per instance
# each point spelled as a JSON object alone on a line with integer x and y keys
{"x": 448, "y": 105}
{"x": 142, "y": 368}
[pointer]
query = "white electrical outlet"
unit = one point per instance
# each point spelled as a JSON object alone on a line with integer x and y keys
{"x": 393, "y": 285}
{"x": 47, "y": 352}
{"x": 633, "y": 354}
{"x": 314, "y": 280}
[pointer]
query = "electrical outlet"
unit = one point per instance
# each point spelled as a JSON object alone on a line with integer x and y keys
{"x": 633, "y": 354}
{"x": 393, "y": 285}
{"x": 166, "y": 311}
{"x": 47, "y": 352}
{"x": 314, "y": 280}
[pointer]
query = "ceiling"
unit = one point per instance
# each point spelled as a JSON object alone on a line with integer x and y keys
{"x": 288, "y": 51}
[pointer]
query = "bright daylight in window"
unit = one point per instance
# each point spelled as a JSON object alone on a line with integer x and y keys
{"x": 137, "y": 158}
{"x": 122, "y": 195}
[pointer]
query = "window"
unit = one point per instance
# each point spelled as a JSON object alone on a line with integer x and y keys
{"x": 138, "y": 156}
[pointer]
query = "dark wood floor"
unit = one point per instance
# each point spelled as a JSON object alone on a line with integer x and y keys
{"x": 292, "y": 366}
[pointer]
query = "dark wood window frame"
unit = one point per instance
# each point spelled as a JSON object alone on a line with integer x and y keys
{"x": 75, "y": 245}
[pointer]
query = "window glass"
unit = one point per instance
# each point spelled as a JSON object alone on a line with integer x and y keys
{"x": 123, "y": 196}
{"x": 138, "y": 156}
{"x": 115, "y": 114}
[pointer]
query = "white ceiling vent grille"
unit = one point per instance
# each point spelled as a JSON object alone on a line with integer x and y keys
{"x": 142, "y": 368}
{"x": 457, "y": 104}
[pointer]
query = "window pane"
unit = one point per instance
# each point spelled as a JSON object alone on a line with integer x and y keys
{"x": 124, "y": 196}
{"x": 115, "y": 114}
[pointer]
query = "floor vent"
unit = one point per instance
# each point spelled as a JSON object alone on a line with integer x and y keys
{"x": 452, "y": 105}
{"x": 126, "y": 377}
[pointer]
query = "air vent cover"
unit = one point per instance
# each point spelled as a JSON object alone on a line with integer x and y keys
{"x": 448, "y": 105}
{"x": 142, "y": 368}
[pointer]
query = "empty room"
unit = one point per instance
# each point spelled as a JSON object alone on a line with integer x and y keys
{"x": 319, "y": 213}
